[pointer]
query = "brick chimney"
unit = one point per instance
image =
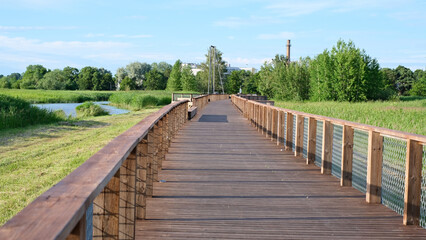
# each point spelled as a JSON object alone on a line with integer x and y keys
{"x": 288, "y": 50}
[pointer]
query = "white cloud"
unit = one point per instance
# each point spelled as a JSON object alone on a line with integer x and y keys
{"x": 281, "y": 35}
{"x": 27, "y": 28}
{"x": 132, "y": 36}
{"x": 231, "y": 37}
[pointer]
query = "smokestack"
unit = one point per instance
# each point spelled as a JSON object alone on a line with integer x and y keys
{"x": 288, "y": 50}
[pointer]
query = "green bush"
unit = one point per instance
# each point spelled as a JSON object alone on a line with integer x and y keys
{"x": 89, "y": 109}
{"x": 164, "y": 101}
{"x": 15, "y": 113}
{"x": 137, "y": 101}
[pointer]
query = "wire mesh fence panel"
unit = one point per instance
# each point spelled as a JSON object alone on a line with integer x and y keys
{"x": 293, "y": 145}
{"x": 318, "y": 145}
{"x": 305, "y": 137}
{"x": 423, "y": 196}
{"x": 359, "y": 160}
{"x": 336, "y": 156}
{"x": 393, "y": 173}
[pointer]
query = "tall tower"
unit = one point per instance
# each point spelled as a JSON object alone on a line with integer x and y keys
{"x": 288, "y": 50}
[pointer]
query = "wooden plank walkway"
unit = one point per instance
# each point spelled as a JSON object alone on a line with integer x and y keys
{"x": 222, "y": 179}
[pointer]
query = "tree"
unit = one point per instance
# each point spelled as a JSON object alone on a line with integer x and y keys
{"x": 136, "y": 71}
{"x": 345, "y": 73}
{"x": 219, "y": 71}
{"x": 10, "y": 81}
{"x": 127, "y": 84}
{"x": 188, "y": 80}
{"x": 236, "y": 80}
{"x": 155, "y": 80}
{"x": 250, "y": 86}
{"x": 404, "y": 79}
{"x": 174, "y": 82}
{"x": 71, "y": 77}
{"x": 53, "y": 80}
{"x": 419, "y": 87}
{"x": 163, "y": 67}
{"x": 32, "y": 75}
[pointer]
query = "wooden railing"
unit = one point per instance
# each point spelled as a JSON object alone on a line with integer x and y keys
{"x": 112, "y": 186}
{"x": 270, "y": 121}
{"x": 201, "y": 101}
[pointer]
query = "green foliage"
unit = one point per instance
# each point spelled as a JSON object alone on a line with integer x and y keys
{"x": 55, "y": 96}
{"x": 163, "y": 67}
{"x": 250, "y": 86}
{"x": 91, "y": 78}
{"x": 235, "y": 81}
{"x": 127, "y": 84}
{"x": 404, "y": 79}
{"x": 136, "y": 100}
{"x": 419, "y": 87}
{"x": 10, "y": 81}
{"x": 188, "y": 80}
{"x": 53, "y": 80}
{"x": 345, "y": 73}
{"x": 174, "y": 82}
{"x": 136, "y": 71}
{"x": 283, "y": 80}
{"x": 155, "y": 80}
{"x": 32, "y": 76}
{"x": 89, "y": 109}
{"x": 15, "y": 113}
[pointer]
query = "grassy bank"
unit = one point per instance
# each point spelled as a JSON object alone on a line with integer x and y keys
{"x": 56, "y": 96}
{"x": 408, "y": 115}
{"x": 15, "y": 113}
{"x": 136, "y": 100}
{"x": 33, "y": 159}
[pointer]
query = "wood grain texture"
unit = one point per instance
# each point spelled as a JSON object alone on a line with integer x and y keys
{"x": 374, "y": 168}
{"x": 226, "y": 181}
{"x": 327, "y": 145}
{"x": 312, "y": 140}
{"x": 299, "y": 135}
{"x": 289, "y": 132}
{"x": 347, "y": 155}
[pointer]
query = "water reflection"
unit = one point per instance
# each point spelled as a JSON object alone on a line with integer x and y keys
{"x": 69, "y": 108}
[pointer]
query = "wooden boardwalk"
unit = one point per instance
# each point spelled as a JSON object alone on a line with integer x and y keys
{"x": 222, "y": 179}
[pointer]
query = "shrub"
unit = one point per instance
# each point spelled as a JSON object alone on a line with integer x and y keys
{"x": 89, "y": 109}
{"x": 15, "y": 112}
{"x": 164, "y": 101}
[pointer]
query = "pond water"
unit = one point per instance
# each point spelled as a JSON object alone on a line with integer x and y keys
{"x": 69, "y": 108}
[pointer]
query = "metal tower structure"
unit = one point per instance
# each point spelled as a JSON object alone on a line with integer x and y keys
{"x": 214, "y": 65}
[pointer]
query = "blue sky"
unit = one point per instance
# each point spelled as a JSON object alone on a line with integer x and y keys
{"x": 111, "y": 34}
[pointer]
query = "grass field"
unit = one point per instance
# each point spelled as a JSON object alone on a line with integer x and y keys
{"x": 408, "y": 115}
{"x": 54, "y": 96}
{"x": 34, "y": 158}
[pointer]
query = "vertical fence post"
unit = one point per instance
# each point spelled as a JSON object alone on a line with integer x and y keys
{"x": 374, "y": 167}
{"x": 161, "y": 153}
{"x": 105, "y": 210}
{"x": 413, "y": 182}
{"x": 79, "y": 231}
{"x": 347, "y": 155}
{"x": 274, "y": 126}
{"x": 280, "y": 128}
{"x": 156, "y": 154}
{"x": 126, "y": 217}
{"x": 141, "y": 177}
{"x": 289, "y": 133}
{"x": 299, "y": 135}
{"x": 327, "y": 144}
{"x": 264, "y": 131}
{"x": 150, "y": 161}
{"x": 312, "y": 140}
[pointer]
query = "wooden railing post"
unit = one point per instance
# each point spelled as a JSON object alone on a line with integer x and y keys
{"x": 141, "y": 177}
{"x": 127, "y": 210}
{"x": 274, "y": 126}
{"x": 79, "y": 231}
{"x": 280, "y": 129}
{"x": 161, "y": 153}
{"x": 156, "y": 154}
{"x": 264, "y": 120}
{"x": 347, "y": 154}
{"x": 299, "y": 135}
{"x": 413, "y": 182}
{"x": 327, "y": 146}
{"x": 105, "y": 210}
{"x": 289, "y": 132}
{"x": 150, "y": 161}
{"x": 374, "y": 167}
{"x": 312, "y": 140}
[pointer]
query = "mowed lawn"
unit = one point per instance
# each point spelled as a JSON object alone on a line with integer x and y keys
{"x": 407, "y": 116}
{"x": 35, "y": 158}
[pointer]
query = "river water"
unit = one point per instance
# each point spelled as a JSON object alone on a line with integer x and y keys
{"x": 69, "y": 108}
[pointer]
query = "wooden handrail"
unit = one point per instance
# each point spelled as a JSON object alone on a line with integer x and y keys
{"x": 60, "y": 212}
{"x": 260, "y": 115}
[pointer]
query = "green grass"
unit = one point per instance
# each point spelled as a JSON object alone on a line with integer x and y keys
{"x": 16, "y": 112}
{"x": 34, "y": 158}
{"x": 136, "y": 100}
{"x": 408, "y": 115}
{"x": 56, "y": 96}
{"x": 89, "y": 109}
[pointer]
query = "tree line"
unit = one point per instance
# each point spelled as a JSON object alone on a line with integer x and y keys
{"x": 344, "y": 73}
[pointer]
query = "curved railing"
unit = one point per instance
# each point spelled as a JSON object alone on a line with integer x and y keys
{"x": 388, "y": 166}
{"x": 107, "y": 193}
